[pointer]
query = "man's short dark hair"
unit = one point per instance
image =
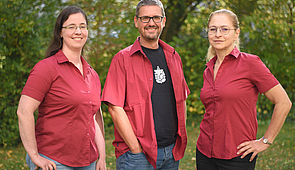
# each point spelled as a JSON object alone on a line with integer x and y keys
{"x": 149, "y": 2}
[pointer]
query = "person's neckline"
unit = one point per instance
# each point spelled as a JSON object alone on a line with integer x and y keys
{"x": 152, "y": 49}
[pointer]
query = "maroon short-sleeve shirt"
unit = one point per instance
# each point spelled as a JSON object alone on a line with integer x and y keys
{"x": 129, "y": 85}
{"x": 65, "y": 128}
{"x": 230, "y": 103}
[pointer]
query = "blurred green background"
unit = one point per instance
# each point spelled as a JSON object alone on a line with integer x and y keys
{"x": 267, "y": 30}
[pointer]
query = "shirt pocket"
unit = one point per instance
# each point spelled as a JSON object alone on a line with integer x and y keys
{"x": 135, "y": 117}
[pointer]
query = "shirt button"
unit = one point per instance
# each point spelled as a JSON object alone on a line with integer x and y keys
{"x": 90, "y": 102}
{"x": 151, "y": 78}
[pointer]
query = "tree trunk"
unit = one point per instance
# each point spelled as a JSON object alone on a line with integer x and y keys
{"x": 176, "y": 13}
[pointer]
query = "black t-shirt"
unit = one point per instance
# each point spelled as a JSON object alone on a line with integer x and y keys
{"x": 163, "y": 98}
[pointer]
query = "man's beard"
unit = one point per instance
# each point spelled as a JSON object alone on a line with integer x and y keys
{"x": 151, "y": 37}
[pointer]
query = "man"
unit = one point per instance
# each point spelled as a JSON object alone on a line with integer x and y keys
{"x": 146, "y": 91}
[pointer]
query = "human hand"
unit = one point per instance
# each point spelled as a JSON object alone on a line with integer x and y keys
{"x": 255, "y": 146}
{"x": 136, "y": 150}
{"x": 101, "y": 164}
{"x": 43, "y": 163}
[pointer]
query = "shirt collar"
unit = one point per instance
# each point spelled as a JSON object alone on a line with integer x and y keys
{"x": 235, "y": 53}
{"x": 61, "y": 58}
{"x": 137, "y": 47}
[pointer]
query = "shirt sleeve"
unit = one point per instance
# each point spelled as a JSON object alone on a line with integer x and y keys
{"x": 261, "y": 76}
{"x": 115, "y": 84}
{"x": 186, "y": 89}
{"x": 39, "y": 81}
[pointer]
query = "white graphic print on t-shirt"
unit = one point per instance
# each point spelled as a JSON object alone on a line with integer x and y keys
{"x": 160, "y": 75}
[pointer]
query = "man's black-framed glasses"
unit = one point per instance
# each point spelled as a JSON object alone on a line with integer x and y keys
{"x": 146, "y": 19}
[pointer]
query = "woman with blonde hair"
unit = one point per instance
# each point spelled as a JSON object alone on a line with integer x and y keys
{"x": 232, "y": 82}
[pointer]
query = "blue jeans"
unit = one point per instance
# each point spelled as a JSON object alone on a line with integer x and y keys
{"x": 60, "y": 166}
{"x": 131, "y": 161}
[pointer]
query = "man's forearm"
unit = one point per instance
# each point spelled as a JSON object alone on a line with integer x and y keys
{"x": 124, "y": 128}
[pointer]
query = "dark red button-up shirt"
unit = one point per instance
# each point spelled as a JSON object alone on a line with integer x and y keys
{"x": 230, "y": 103}
{"x": 65, "y": 126}
{"x": 129, "y": 85}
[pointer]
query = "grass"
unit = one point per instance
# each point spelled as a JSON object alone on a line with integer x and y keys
{"x": 281, "y": 155}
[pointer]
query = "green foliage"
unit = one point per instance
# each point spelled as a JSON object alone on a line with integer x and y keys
{"x": 192, "y": 45}
{"x": 24, "y": 37}
{"x": 269, "y": 33}
{"x": 267, "y": 30}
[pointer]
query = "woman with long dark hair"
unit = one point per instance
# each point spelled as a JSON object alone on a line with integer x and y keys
{"x": 66, "y": 91}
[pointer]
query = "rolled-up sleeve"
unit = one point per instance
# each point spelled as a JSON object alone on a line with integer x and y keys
{"x": 115, "y": 84}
